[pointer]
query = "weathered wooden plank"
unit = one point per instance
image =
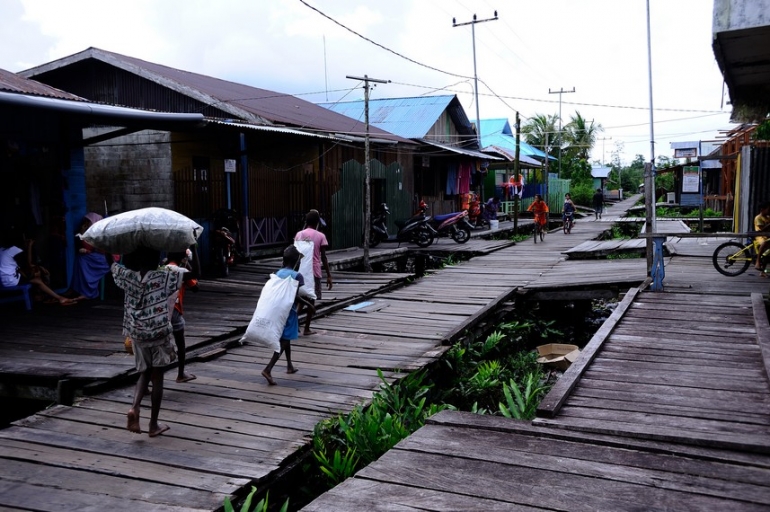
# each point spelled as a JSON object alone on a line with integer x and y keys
{"x": 558, "y": 394}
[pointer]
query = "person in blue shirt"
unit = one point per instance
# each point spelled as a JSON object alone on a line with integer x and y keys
{"x": 569, "y": 206}
{"x": 291, "y": 257}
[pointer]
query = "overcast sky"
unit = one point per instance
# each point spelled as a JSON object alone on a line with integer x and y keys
{"x": 597, "y": 47}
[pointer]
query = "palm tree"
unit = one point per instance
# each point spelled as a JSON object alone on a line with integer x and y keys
{"x": 580, "y": 136}
{"x": 536, "y": 128}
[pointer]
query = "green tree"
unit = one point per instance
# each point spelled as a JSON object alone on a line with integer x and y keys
{"x": 580, "y": 136}
{"x": 536, "y": 128}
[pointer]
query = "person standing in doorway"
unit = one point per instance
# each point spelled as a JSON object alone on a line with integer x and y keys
{"x": 312, "y": 234}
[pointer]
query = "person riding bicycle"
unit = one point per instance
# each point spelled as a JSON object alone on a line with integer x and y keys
{"x": 568, "y": 210}
{"x": 540, "y": 209}
{"x": 762, "y": 223}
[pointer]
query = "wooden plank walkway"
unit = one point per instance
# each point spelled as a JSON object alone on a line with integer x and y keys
{"x": 463, "y": 461}
{"x": 84, "y": 343}
{"x": 228, "y": 428}
{"x": 667, "y": 408}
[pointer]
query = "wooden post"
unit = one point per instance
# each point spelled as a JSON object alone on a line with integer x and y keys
{"x": 516, "y": 171}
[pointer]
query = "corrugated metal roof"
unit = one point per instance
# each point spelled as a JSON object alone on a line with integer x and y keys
{"x": 255, "y": 105}
{"x": 600, "y": 172}
{"x": 510, "y": 154}
{"x": 410, "y": 118}
{"x": 497, "y": 132}
{"x": 294, "y": 131}
{"x": 86, "y": 113}
{"x": 462, "y": 151}
{"x": 11, "y": 82}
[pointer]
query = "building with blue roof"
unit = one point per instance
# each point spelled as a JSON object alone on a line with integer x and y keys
{"x": 449, "y": 163}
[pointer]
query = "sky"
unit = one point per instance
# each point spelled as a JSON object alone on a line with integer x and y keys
{"x": 308, "y": 47}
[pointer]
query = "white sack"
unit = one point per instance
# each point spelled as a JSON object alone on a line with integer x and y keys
{"x": 272, "y": 311}
{"x": 157, "y": 228}
{"x": 305, "y": 247}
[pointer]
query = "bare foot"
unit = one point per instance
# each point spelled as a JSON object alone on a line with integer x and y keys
{"x": 187, "y": 377}
{"x": 133, "y": 421}
{"x": 67, "y": 302}
{"x": 158, "y": 429}
{"x": 268, "y": 377}
{"x": 291, "y": 369}
{"x": 307, "y": 333}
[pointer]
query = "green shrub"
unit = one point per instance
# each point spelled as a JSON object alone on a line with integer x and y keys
{"x": 582, "y": 194}
{"x": 522, "y": 405}
{"x": 261, "y": 506}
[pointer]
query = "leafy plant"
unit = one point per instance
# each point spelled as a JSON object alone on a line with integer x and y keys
{"x": 339, "y": 467}
{"x": 522, "y": 405}
{"x": 261, "y": 506}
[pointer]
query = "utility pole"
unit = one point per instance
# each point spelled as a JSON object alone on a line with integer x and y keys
{"x": 367, "y": 172}
{"x": 516, "y": 171}
{"x": 603, "y": 139}
{"x": 547, "y": 157}
{"x": 475, "y": 76}
{"x": 655, "y": 244}
{"x": 560, "y": 92}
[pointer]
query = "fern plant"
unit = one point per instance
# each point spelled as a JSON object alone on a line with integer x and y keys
{"x": 261, "y": 506}
{"x": 522, "y": 405}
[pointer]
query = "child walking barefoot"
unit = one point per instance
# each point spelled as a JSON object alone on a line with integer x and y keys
{"x": 291, "y": 257}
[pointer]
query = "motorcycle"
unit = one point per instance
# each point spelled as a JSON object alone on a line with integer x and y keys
{"x": 479, "y": 215}
{"x": 454, "y": 225}
{"x": 224, "y": 243}
{"x": 416, "y": 229}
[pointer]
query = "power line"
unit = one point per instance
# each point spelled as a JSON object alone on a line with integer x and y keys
{"x": 381, "y": 46}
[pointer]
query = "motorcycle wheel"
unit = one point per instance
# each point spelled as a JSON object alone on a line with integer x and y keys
{"x": 424, "y": 238}
{"x": 461, "y": 236}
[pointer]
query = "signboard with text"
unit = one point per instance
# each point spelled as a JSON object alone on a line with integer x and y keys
{"x": 691, "y": 179}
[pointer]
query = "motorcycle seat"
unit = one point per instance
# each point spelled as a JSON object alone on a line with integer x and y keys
{"x": 444, "y": 216}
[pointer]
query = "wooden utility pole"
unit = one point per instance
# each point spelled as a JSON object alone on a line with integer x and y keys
{"x": 516, "y": 171}
{"x": 560, "y": 92}
{"x": 367, "y": 171}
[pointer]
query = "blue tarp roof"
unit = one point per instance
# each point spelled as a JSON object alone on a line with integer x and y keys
{"x": 410, "y": 118}
{"x": 497, "y": 132}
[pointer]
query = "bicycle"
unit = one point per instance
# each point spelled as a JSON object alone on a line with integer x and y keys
{"x": 539, "y": 231}
{"x": 569, "y": 221}
{"x": 733, "y": 259}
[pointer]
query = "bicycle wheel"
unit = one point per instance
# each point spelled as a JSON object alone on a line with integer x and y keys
{"x": 542, "y": 234}
{"x": 535, "y": 231}
{"x": 732, "y": 259}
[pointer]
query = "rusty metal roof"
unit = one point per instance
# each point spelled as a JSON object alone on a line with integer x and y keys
{"x": 11, "y": 82}
{"x": 250, "y": 104}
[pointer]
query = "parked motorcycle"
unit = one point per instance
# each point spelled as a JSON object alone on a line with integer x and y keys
{"x": 416, "y": 229}
{"x": 224, "y": 241}
{"x": 479, "y": 215}
{"x": 454, "y": 225}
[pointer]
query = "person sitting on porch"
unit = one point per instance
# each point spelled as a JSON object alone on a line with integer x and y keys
{"x": 16, "y": 268}
{"x": 91, "y": 265}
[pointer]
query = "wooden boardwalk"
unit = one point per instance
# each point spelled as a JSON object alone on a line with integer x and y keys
{"x": 667, "y": 408}
{"x": 228, "y": 428}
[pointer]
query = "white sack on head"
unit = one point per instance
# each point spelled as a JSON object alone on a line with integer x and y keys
{"x": 156, "y": 228}
{"x": 305, "y": 248}
{"x": 273, "y": 308}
